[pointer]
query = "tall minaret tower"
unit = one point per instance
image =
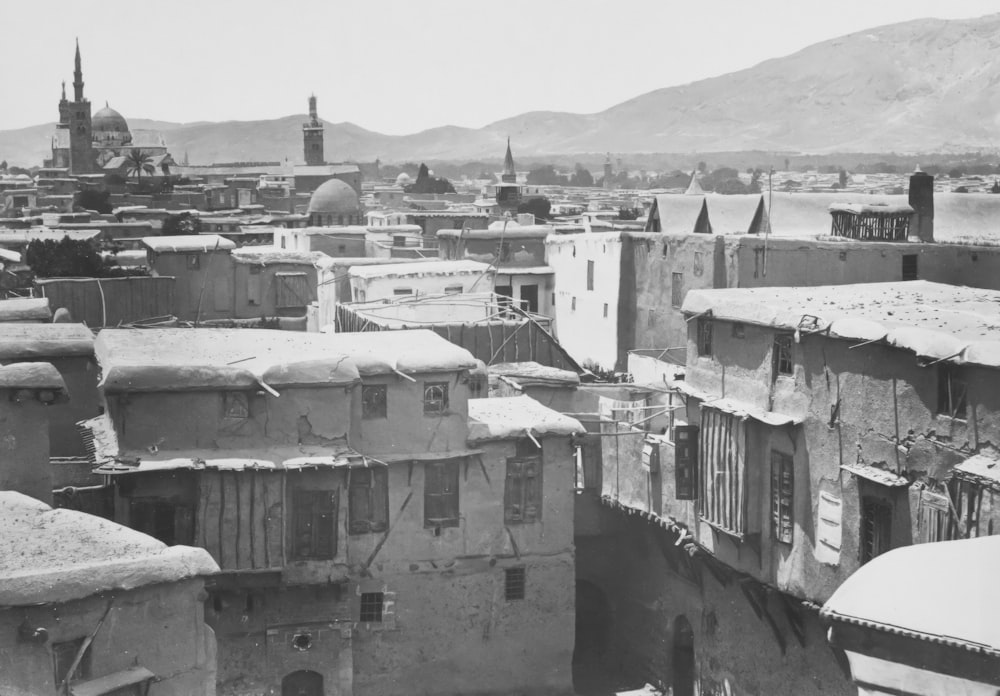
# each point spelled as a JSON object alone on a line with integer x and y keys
{"x": 312, "y": 136}
{"x": 81, "y": 145}
{"x": 509, "y": 176}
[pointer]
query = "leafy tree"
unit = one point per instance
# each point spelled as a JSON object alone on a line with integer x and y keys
{"x": 139, "y": 162}
{"x": 19, "y": 170}
{"x": 702, "y": 167}
{"x": 581, "y": 176}
{"x": 628, "y": 213}
{"x": 92, "y": 199}
{"x": 182, "y": 223}
{"x": 545, "y": 175}
{"x": 3, "y": 166}
{"x": 541, "y": 208}
{"x": 65, "y": 258}
{"x": 955, "y": 173}
{"x": 731, "y": 187}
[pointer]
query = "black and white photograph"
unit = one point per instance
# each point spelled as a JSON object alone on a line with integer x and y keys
{"x": 525, "y": 348}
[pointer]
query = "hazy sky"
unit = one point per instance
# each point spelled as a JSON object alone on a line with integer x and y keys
{"x": 400, "y": 67}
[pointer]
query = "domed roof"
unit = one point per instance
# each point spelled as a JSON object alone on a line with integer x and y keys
{"x": 109, "y": 120}
{"x": 334, "y": 196}
{"x": 403, "y": 179}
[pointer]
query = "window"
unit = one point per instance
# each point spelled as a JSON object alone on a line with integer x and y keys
{"x": 676, "y": 289}
{"x": 605, "y": 310}
{"x": 453, "y": 290}
{"x": 523, "y": 488}
{"x": 293, "y": 290}
{"x": 876, "y": 527}
{"x": 782, "y": 494}
{"x": 952, "y": 392}
{"x": 193, "y": 262}
{"x": 573, "y": 304}
{"x": 63, "y": 655}
{"x": 685, "y": 462}
{"x": 163, "y": 519}
{"x": 514, "y": 583}
{"x": 235, "y": 406}
{"x": 722, "y": 470}
{"x": 368, "y": 500}
{"x": 782, "y": 355}
{"x": 739, "y": 330}
{"x": 441, "y": 494}
{"x": 374, "y": 400}
{"x": 402, "y": 292}
{"x": 909, "y": 267}
{"x": 650, "y": 318}
{"x": 704, "y": 336}
{"x": 435, "y": 398}
{"x": 371, "y": 607}
{"x": 590, "y": 275}
{"x": 933, "y": 516}
{"x": 314, "y": 523}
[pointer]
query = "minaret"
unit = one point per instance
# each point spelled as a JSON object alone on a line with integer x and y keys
{"x": 81, "y": 145}
{"x": 509, "y": 175}
{"x": 312, "y": 136}
{"x": 63, "y": 109}
{"x": 608, "y": 173}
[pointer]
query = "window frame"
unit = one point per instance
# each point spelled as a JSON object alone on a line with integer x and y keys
{"x": 876, "y": 528}
{"x": 430, "y": 409}
{"x": 951, "y": 379}
{"x": 704, "y": 337}
{"x": 235, "y": 406}
{"x": 782, "y": 363}
{"x": 782, "y": 497}
{"x": 313, "y": 518}
{"x": 149, "y": 515}
{"x": 515, "y": 583}
{"x": 439, "y": 497}
{"x": 523, "y": 494}
{"x": 373, "y": 483}
{"x": 374, "y": 604}
{"x": 369, "y": 410}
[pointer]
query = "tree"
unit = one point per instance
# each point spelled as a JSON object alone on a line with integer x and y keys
{"x": 702, "y": 167}
{"x": 92, "y": 199}
{"x": 65, "y": 258}
{"x": 3, "y": 166}
{"x": 955, "y": 173}
{"x": 581, "y": 176}
{"x": 628, "y": 213}
{"x": 545, "y": 175}
{"x": 182, "y": 223}
{"x": 426, "y": 183}
{"x": 541, "y": 208}
{"x": 138, "y": 162}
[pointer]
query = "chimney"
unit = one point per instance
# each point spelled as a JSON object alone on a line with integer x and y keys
{"x": 922, "y": 202}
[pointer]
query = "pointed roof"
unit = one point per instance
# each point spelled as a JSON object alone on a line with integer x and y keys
{"x": 694, "y": 188}
{"x": 508, "y": 160}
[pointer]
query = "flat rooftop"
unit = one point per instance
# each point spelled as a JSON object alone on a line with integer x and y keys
{"x": 34, "y": 309}
{"x": 188, "y": 242}
{"x": 55, "y": 555}
{"x": 944, "y": 322}
{"x": 26, "y": 340}
{"x": 502, "y": 418}
{"x": 429, "y": 268}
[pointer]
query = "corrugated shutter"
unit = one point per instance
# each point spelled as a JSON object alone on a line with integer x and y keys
{"x": 293, "y": 289}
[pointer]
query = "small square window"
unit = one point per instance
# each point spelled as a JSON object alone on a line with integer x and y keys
{"x": 374, "y": 398}
{"x": 435, "y": 398}
{"x": 739, "y": 330}
{"x": 515, "y": 580}
{"x": 194, "y": 262}
{"x": 704, "y": 336}
{"x": 235, "y": 406}
{"x": 371, "y": 607}
{"x": 401, "y": 292}
{"x": 605, "y": 310}
{"x": 453, "y": 290}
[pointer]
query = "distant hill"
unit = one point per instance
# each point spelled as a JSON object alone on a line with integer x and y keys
{"x": 926, "y": 85}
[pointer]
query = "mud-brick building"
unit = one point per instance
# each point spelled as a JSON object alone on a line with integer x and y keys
{"x": 813, "y": 430}
{"x": 344, "y": 490}
{"x": 70, "y": 349}
{"x": 90, "y": 607}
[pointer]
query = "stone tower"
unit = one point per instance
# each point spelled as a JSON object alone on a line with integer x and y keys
{"x": 81, "y": 144}
{"x": 509, "y": 176}
{"x": 312, "y": 136}
{"x": 608, "y": 172}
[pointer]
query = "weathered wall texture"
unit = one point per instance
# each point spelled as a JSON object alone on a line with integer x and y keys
{"x": 24, "y": 445}
{"x": 180, "y": 651}
{"x": 101, "y": 302}
{"x": 255, "y": 290}
{"x": 649, "y": 585}
{"x": 203, "y": 287}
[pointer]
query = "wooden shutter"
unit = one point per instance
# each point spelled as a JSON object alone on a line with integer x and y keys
{"x": 722, "y": 470}
{"x": 933, "y": 517}
{"x": 380, "y": 499}
{"x": 514, "y": 491}
{"x": 293, "y": 289}
{"x": 314, "y": 524}
{"x": 368, "y": 500}
{"x": 782, "y": 496}
{"x": 686, "y": 461}
{"x": 523, "y": 490}
{"x": 441, "y": 494}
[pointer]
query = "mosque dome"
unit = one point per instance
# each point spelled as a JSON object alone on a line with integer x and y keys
{"x": 403, "y": 179}
{"x": 110, "y": 121}
{"x": 334, "y": 197}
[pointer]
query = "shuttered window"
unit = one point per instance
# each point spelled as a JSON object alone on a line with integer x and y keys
{"x": 722, "y": 470}
{"x": 167, "y": 520}
{"x": 368, "y": 500}
{"x": 685, "y": 462}
{"x": 933, "y": 517}
{"x": 782, "y": 496}
{"x": 523, "y": 487}
{"x": 441, "y": 494}
{"x": 314, "y": 524}
{"x": 293, "y": 290}
{"x": 876, "y": 528}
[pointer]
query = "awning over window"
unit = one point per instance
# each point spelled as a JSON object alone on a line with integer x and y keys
{"x": 107, "y": 684}
{"x": 980, "y": 468}
{"x": 734, "y": 407}
{"x": 873, "y": 473}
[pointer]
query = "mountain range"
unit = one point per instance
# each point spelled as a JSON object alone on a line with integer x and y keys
{"x": 926, "y": 85}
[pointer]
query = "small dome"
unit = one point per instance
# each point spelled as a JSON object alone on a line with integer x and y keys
{"x": 403, "y": 179}
{"x": 107, "y": 120}
{"x": 336, "y": 197}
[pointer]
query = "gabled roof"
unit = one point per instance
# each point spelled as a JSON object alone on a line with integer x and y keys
{"x": 736, "y": 214}
{"x": 675, "y": 214}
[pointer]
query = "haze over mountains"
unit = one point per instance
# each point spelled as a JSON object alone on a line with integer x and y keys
{"x": 921, "y": 86}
